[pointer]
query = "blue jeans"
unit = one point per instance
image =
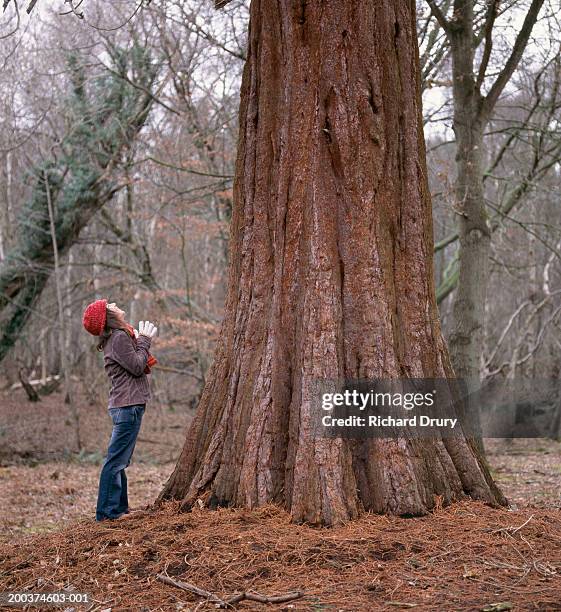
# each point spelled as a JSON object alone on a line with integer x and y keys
{"x": 112, "y": 499}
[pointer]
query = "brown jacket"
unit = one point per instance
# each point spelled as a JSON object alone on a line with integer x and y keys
{"x": 124, "y": 364}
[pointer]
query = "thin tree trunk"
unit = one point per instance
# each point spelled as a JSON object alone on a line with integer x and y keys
{"x": 472, "y": 111}
{"x": 466, "y": 338}
{"x": 468, "y": 308}
{"x": 67, "y": 303}
{"x": 68, "y": 399}
{"x": 7, "y": 214}
{"x": 468, "y": 311}
{"x": 44, "y": 355}
{"x": 331, "y": 274}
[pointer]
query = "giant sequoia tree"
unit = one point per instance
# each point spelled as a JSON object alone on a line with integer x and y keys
{"x": 331, "y": 273}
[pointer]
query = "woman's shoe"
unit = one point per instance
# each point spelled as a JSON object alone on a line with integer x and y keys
{"x": 110, "y": 518}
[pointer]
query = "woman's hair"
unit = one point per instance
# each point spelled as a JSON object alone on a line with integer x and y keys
{"x": 113, "y": 321}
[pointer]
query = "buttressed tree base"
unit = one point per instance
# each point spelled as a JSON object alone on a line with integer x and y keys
{"x": 331, "y": 274}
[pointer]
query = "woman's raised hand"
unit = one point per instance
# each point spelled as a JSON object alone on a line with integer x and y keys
{"x": 145, "y": 328}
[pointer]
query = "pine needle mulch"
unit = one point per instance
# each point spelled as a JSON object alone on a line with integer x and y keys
{"x": 464, "y": 557}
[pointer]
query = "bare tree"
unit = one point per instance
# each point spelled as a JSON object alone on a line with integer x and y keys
{"x": 473, "y": 109}
{"x": 81, "y": 183}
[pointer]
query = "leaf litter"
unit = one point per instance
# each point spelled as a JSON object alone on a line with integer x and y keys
{"x": 467, "y": 556}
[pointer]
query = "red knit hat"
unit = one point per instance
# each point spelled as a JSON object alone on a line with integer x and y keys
{"x": 95, "y": 316}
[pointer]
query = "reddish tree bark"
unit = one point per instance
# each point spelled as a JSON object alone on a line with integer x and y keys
{"x": 331, "y": 273}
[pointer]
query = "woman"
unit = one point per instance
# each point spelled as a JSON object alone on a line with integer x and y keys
{"x": 127, "y": 362}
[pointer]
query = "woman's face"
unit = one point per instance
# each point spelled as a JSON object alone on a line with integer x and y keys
{"x": 114, "y": 308}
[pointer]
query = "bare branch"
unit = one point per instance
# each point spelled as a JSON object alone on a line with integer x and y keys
{"x": 512, "y": 62}
{"x": 30, "y": 7}
{"x": 18, "y": 20}
{"x": 438, "y": 15}
{"x": 488, "y": 33}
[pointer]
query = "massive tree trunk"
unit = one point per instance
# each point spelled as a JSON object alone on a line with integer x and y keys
{"x": 331, "y": 274}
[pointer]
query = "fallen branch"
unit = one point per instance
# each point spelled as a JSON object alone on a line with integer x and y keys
{"x": 38, "y": 381}
{"x": 271, "y": 599}
{"x": 512, "y": 530}
{"x": 31, "y": 393}
{"x": 228, "y": 603}
{"x": 523, "y": 525}
{"x": 186, "y": 586}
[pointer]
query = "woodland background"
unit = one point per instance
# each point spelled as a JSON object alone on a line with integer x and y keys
{"x": 128, "y": 113}
{"x": 118, "y": 136}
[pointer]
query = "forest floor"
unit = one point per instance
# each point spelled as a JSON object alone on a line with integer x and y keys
{"x": 42, "y": 496}
{"x": 464, "y": 557}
